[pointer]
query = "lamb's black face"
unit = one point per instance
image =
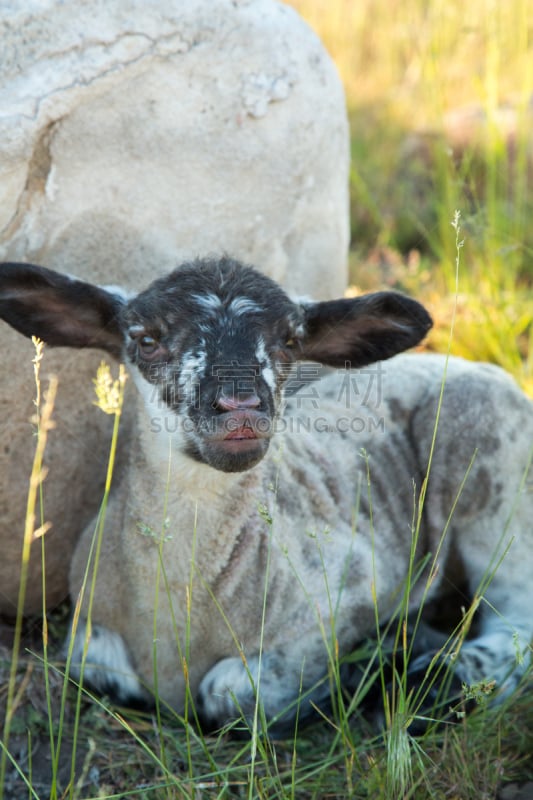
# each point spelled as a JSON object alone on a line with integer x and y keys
{"x": 213, "y": 342}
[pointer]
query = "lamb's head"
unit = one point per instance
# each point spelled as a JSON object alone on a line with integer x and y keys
{"x": 210, "y": 345}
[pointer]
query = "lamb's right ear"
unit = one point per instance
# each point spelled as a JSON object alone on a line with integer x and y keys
{"x": 62, "y": 311}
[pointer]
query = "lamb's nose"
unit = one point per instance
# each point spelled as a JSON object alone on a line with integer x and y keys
{"x": 226, "y": 402}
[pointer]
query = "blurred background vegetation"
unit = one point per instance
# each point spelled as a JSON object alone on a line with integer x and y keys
{"x": 440, "y": 101}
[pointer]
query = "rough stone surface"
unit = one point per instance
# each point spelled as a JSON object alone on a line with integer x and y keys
{"x": 134, "y": 135}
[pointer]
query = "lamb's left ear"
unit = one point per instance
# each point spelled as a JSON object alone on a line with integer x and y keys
{"x": 362, "y": 330}
{"x": 61, "y": 311}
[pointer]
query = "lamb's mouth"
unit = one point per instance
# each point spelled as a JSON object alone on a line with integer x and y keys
{"x": 239, "y": 440}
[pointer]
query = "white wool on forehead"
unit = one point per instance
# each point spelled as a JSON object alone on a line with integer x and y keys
{"x": 239, "y": 305}
{"x": 209, "y": 301}
{"x": 244, "y": 305}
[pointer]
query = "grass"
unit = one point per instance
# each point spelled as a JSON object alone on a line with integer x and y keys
{"x": 408, "y": 66}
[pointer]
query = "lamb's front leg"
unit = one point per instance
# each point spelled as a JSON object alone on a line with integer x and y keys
{"x": 281, "y": 688}
{"x": 106, "y": 666}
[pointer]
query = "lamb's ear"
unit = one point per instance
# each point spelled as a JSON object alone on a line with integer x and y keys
{"x": 61, "y": 311}
{"x": 362, "y": 330}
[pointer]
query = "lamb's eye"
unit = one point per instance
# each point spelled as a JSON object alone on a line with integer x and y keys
{"x": 285, "y": 353}
{"x": 147, "y": 345}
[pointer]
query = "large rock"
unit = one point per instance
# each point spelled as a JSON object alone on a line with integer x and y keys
{"x": 134, "y": 135}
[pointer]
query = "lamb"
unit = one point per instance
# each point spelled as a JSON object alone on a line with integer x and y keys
{"x": 257, "y": 527}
